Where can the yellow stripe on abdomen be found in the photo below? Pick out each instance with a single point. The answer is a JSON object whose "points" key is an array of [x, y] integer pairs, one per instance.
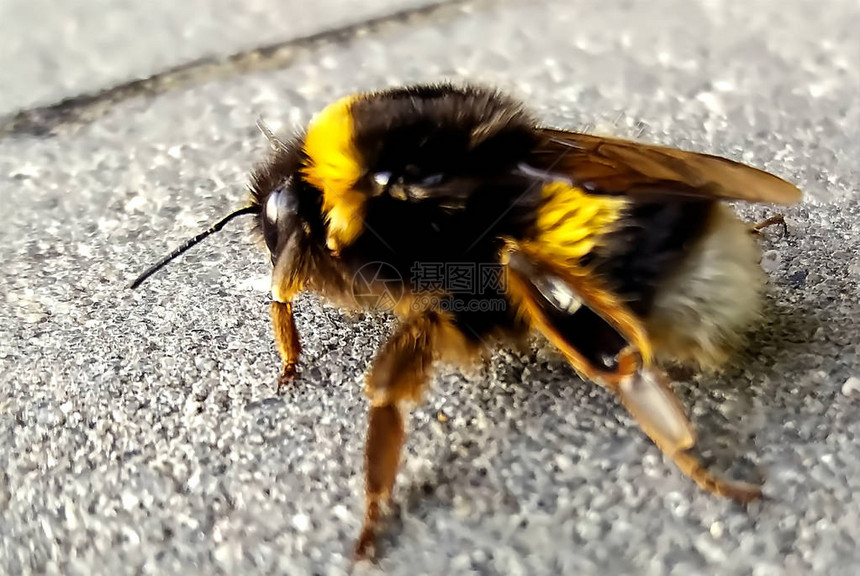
{"points": [[570, 222]]}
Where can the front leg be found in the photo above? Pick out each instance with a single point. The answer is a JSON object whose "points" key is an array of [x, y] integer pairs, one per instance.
{"points": [[286, 339], [398, 377]]}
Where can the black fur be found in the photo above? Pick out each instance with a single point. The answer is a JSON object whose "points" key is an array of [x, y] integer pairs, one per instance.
{"points": [[451, 154], [652, 241]]}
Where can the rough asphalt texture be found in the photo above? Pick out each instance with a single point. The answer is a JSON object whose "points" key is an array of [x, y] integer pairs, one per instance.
{"points": [[140, 432]]}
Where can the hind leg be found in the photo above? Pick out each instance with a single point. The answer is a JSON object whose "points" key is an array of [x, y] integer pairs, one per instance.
{"points": [[768, 222], [649, 399]]}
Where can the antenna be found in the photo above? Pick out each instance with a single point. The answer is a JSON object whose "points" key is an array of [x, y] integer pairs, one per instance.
{"points": [[253, 209], [275, 142]]}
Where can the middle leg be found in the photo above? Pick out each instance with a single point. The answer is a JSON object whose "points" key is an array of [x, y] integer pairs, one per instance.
{"points": [[397, 379]]}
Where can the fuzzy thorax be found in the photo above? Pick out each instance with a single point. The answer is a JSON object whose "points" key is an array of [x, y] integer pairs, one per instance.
{"points": [[333, 166]]}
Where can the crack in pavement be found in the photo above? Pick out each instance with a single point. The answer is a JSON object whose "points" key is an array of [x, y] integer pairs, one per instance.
{"points": [[77, 111]]}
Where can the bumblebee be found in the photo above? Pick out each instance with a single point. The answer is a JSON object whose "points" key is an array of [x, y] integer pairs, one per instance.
{"points": [[621, 254]]}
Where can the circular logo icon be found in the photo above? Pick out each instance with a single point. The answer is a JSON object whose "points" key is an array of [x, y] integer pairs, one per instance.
{"points": [[377, 285]]}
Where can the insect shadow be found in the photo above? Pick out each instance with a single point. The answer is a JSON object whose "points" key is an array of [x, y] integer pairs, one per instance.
{"points": [[726, 410]]}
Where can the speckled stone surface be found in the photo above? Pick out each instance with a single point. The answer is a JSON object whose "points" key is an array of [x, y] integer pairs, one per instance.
{"points": [[48, 51], [140, 432]]}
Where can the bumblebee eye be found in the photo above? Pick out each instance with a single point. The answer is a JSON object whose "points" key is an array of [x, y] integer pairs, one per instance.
{"points": [[279, 204], [281, 207]]}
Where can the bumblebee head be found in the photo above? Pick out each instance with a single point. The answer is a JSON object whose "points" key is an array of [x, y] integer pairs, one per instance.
{"points": [[289, 218], [286, 215]]}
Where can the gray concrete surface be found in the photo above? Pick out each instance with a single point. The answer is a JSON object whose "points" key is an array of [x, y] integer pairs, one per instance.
{"points": [[140, 433], [49, 52]]}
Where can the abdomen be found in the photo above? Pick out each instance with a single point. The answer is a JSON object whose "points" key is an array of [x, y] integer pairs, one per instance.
{"points": [[702, 309], [691, 271]]}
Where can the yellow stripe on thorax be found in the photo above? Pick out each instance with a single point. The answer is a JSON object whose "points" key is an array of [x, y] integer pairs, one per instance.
{"points": [[570, 222], [333, 166]]}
